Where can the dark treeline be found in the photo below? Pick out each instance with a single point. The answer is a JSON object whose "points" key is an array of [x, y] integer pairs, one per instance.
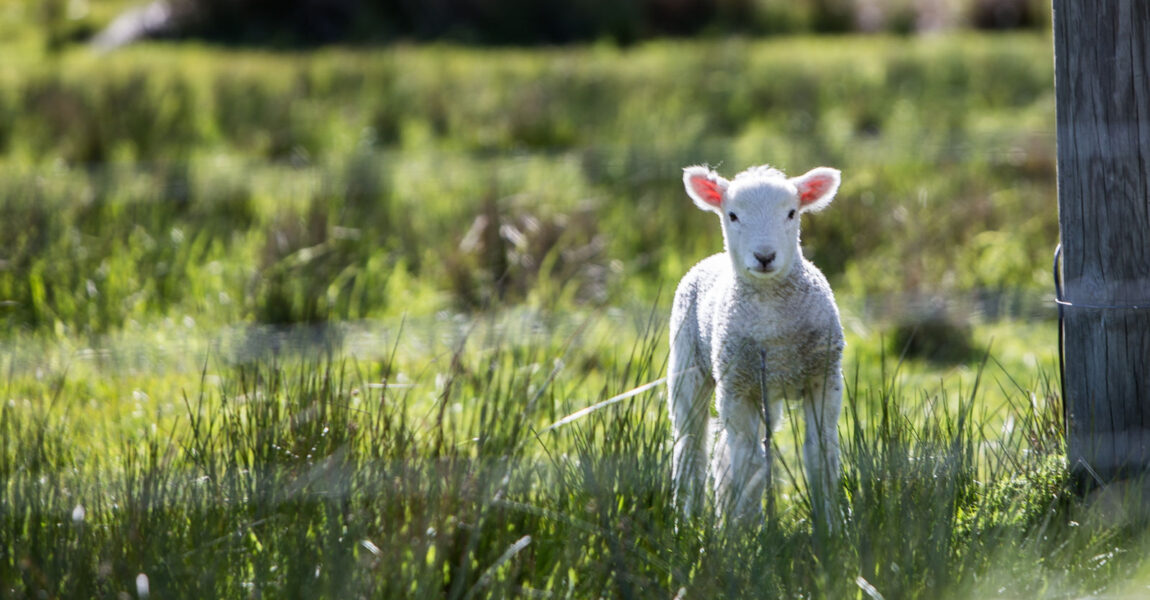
{"points": [[475, 21], [523, 22]]}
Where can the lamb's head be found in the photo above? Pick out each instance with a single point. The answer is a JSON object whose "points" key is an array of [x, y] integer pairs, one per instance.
{"points": [[759, 211]]}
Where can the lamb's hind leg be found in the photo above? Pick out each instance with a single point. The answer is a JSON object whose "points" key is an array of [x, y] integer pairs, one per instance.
{"points": [[689, 403]]}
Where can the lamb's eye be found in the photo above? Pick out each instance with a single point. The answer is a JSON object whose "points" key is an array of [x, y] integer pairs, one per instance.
{"points": [[732, 217], [791, 214]]}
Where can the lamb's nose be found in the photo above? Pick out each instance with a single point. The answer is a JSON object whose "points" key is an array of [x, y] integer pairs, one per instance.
{"points": [[765, 260]]}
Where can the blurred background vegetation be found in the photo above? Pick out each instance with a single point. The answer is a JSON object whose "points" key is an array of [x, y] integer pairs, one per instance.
{"points": [[165, 180]]}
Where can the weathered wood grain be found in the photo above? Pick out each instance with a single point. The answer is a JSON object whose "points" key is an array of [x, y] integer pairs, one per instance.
{"points": [[1102, 81]]}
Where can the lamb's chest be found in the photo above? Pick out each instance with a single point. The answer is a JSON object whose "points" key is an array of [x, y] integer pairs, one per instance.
{"points": [[792, 355]]}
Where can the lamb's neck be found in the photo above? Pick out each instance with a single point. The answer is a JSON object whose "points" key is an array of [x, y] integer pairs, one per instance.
{"points": [[772, 291]]}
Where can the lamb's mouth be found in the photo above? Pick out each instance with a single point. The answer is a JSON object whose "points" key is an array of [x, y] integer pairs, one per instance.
{"points": [[760, 272]]}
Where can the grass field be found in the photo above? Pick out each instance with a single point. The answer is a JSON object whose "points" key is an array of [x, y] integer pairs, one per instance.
{"points": [[297, 324]]}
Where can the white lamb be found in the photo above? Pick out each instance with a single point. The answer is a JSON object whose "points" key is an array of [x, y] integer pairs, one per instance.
{"points": [[756, 314]]}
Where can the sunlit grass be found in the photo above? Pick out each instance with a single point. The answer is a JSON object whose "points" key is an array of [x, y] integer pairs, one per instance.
{"points": [[350, 474]]}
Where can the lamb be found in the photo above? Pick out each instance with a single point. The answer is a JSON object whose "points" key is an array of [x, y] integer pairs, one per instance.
{"points": [[757, 325]]}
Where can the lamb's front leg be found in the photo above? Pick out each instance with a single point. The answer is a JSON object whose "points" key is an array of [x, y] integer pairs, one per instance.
{"points": [[739, 465], [821, 445]]}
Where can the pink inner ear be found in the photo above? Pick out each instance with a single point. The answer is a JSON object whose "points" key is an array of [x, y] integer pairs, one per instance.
{"points": [[707, 190], [813, 188]]}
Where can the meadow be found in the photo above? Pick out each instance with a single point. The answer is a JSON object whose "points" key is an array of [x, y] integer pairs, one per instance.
{"points": [[320, 324]]}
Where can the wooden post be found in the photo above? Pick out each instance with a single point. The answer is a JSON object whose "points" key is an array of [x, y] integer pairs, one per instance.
{"points": [[1102, 83]]}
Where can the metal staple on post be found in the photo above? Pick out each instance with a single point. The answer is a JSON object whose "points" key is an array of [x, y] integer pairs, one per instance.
{"points": [[1058, 300]]}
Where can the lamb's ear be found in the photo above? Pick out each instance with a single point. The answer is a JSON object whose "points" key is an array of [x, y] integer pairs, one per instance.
{"points": [[817, 188], [706, 187]]}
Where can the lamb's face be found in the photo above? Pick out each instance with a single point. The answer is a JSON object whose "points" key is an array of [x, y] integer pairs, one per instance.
{"points": [[760, 213], [760, 220]]}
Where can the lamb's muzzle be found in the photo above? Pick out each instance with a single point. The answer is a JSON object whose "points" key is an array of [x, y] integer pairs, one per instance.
{"points": [[765, 261]]}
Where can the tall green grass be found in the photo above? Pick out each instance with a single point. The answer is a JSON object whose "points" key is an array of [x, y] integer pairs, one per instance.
{"points": [[326, 477]]}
